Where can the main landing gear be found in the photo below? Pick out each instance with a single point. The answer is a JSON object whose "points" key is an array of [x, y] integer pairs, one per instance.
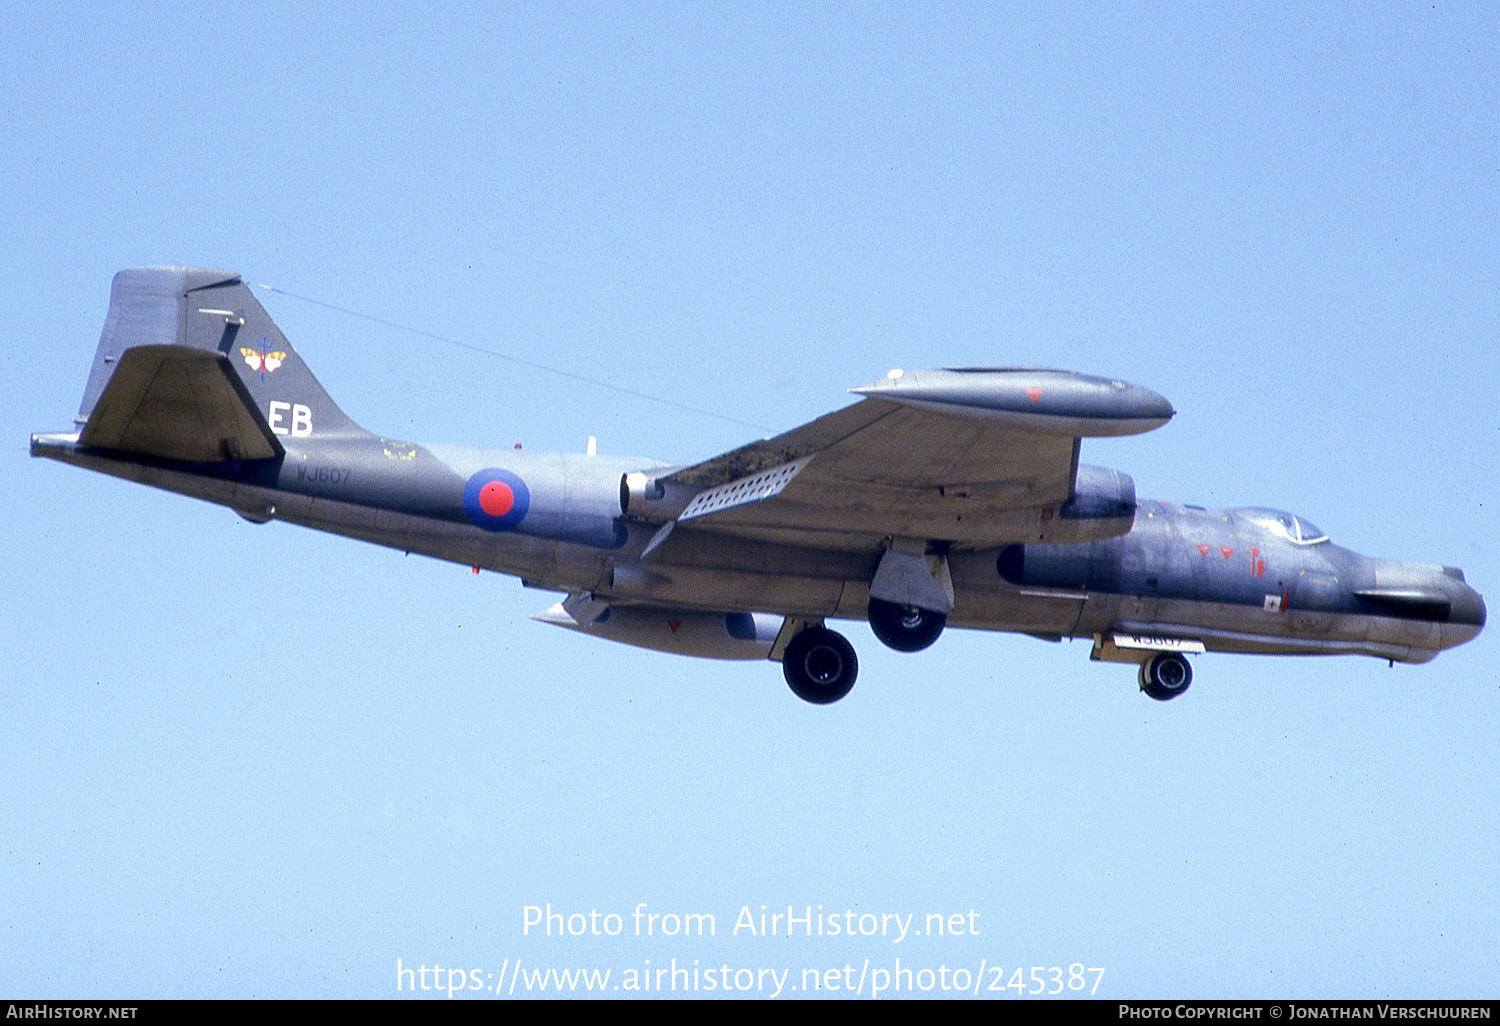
{"points": [[1165, 676], [819, 665], [905, 628]]}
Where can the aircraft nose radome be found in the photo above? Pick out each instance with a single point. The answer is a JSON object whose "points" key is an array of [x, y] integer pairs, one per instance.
{"points": [[1466, 615], [1468, 608]]}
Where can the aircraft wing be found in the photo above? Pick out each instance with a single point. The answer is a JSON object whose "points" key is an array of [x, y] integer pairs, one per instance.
{"points": [[970, 457]]}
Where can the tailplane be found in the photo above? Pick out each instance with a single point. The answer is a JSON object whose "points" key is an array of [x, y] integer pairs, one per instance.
{"points": [[191, 367]]}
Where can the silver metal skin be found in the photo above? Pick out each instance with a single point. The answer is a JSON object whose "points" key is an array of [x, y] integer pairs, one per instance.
{"points": [[942, 498]]}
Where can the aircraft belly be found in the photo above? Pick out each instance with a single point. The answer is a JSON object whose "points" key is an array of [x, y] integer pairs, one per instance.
{"points": [[1417, 633], [1051, 614], [717, 588], [983, 601], [1228, 627], [688, 548], [539, 562], [551, 564], [1231, 617]]}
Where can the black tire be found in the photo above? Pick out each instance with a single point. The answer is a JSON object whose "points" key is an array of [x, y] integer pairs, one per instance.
{"points": [[820, 666], [905, 628], [1165, 676]]}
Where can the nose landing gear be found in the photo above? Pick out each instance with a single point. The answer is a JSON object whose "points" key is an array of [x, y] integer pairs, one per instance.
{"points": [[1165, 676]]}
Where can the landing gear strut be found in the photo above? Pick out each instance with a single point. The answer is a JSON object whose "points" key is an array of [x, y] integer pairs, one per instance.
{"points": [[1165, 676], [905, 628], [819, 665]]}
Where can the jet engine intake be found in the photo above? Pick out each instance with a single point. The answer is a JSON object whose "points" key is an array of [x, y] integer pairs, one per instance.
{"points": [[636, 490], [656, 499], [1102, 506]]}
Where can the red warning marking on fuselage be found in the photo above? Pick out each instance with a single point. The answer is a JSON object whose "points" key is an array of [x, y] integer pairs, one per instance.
{"points": [[496, 498], [1203, 549], [1226, 550], [673, 624], [1034, 394], [1257, 565]]}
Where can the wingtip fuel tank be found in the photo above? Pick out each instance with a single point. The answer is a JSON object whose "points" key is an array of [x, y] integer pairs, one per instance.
{"points": [[1051, 401]]}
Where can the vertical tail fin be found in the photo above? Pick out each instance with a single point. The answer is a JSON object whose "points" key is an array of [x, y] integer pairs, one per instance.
{"points": [[215, 312]]}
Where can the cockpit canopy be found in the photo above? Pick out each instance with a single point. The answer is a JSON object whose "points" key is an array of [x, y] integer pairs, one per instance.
{"points": [[1297, 530]]}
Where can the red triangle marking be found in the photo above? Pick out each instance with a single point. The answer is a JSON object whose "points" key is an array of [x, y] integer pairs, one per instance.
{"points": [[1226, 550], [1035, 394], [1202, 549]]}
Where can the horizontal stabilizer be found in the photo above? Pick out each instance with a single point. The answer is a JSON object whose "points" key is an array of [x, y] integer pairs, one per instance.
{"points": [[177, 402]]}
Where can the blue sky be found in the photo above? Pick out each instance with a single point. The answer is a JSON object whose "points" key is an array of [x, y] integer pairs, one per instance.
{"points": [[246, 760]]}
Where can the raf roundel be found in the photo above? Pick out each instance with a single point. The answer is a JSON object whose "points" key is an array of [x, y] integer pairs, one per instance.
{"points": [[496, 500]]}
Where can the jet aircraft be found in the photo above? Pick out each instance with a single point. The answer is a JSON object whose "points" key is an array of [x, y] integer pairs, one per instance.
{"points": [[940, 498]]}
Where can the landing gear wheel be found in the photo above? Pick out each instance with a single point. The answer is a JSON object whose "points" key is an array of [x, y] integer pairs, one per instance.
{"points": [[820, 666], [905, 628], [1165, 676]]}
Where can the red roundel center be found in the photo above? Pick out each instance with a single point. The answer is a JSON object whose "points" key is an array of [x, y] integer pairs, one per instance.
{"points": [[496, 498]]}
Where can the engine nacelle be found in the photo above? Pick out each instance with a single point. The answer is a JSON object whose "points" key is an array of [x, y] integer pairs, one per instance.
{"points": [[1102, 506], [653, 498], [635, 491], [679, 631]]}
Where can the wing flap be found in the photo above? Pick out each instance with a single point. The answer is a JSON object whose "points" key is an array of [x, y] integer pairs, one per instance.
{"points": [[178, 403]]}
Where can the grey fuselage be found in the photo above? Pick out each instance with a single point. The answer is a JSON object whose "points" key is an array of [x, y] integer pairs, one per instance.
{"points": [[1238, 581]]}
